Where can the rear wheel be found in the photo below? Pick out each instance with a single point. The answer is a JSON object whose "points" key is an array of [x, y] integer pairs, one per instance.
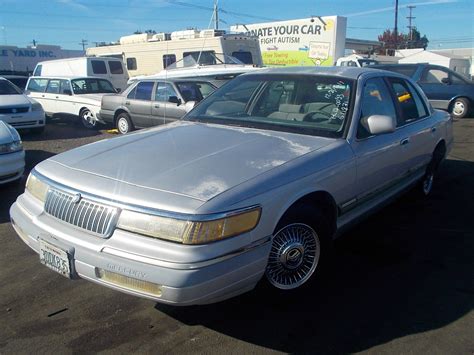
{"points": [[87, 118], [124, 123], [426, 184], [460, 107]]}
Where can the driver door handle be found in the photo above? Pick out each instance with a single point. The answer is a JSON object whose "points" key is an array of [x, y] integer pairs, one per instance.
{"points": [[405, 141], [156, 106]]}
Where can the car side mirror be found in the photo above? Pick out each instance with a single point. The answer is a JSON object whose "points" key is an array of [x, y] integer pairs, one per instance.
{"points": [[379, 124], [118, 90], [446, 81], [174, 100], [67, 92], [188, 106]]}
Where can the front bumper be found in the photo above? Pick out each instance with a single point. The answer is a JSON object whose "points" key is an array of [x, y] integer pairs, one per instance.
{"points": [[179, 283], [30, 119], [12, 166]]}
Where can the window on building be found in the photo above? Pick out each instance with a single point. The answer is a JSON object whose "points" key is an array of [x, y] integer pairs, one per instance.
{"points": [[203, 58], [244, 57], [132, 63], [168, 59]]}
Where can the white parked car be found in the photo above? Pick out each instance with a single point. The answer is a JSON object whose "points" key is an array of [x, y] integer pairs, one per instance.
{"points": [[19, 110], [12, 155], [112, 69], [79, 97]]}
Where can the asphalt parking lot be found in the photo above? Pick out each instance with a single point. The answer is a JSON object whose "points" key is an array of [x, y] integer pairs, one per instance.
{"points": [[402, 281]]}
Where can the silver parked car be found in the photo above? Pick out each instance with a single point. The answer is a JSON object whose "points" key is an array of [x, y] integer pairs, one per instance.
{"points": [[153, 102], [251, 186]]}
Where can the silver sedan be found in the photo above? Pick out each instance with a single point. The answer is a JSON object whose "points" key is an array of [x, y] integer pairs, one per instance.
{"points": [[252, 186]]}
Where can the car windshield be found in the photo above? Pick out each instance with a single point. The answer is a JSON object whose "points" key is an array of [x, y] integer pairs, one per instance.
{"points": [[92, 86], [305, 104], [195, 91], [7, 88]]}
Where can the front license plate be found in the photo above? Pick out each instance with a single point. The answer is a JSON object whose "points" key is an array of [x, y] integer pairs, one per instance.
{"points": [[55, 258]]}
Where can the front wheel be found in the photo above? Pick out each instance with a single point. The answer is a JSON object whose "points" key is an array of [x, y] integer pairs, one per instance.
{"points": [[460, 108], [294, 256], [87, 118]]}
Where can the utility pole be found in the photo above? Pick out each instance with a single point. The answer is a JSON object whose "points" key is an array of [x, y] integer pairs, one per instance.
{"points": [[395, 30], [34, 43], [410, 18], [83, 43], [216, 15]]}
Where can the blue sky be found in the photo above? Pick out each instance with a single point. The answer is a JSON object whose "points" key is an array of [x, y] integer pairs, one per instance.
{"points": [[447, 23]]}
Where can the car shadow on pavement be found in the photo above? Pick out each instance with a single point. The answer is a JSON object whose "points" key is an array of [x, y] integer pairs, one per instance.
{"points": [[405, 270], [61, 128]]}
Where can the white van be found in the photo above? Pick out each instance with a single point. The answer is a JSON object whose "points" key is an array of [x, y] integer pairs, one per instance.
{"points": [[111, 69]]}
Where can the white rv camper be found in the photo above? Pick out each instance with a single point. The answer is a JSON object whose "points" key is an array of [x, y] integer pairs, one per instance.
{"points": [[147, 54]]}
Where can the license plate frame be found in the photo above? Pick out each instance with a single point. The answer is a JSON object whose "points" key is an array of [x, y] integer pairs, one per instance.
{"points": [[55, 258]]}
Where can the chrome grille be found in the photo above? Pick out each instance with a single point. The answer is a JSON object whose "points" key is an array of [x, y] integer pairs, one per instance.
{"points": [[91, 216]]}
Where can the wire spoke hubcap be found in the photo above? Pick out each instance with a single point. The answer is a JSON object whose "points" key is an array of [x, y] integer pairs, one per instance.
{"points": [[293, 257]]}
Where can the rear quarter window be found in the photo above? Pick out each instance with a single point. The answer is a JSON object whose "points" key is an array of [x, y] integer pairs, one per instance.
{"points": [[37, 85], [98, 67], [115, 67]]}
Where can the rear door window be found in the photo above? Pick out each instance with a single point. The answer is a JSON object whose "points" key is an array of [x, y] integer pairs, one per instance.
{"points": [[144, 90], [409, 100], [115, 67], [53, 86], [98, 67], [37, 85], [64, 86], [434, 76]]}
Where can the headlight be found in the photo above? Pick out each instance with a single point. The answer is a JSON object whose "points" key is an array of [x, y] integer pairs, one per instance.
{"points": [[189, 232], [12, 147], [36, 187], [36, 106]]}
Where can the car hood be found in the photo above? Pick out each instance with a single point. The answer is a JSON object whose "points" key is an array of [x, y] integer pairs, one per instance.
{"points": [[190, 159], [14, 100]]}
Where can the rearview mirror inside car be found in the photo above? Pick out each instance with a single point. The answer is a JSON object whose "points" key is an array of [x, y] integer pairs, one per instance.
{"points": [[379, 124]]}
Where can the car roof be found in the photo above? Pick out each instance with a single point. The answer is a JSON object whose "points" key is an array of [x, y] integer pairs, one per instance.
{"points": [[346, 72], [67, 77]]}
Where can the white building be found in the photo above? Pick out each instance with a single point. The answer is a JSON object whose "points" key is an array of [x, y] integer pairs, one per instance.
{"points": [[24, 60], [454, 62]]}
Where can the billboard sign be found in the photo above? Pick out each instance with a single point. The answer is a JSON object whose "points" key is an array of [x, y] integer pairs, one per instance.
{"points": [[306, 42]]}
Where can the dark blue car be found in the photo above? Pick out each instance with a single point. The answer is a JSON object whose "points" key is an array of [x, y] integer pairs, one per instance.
{"points": [[446, 89]]}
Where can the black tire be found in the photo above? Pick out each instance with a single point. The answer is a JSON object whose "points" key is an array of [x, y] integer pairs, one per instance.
{"points": [[460, 107], [37, 130], [87, 119], [124, 123], [301, 246], [426, 184]]}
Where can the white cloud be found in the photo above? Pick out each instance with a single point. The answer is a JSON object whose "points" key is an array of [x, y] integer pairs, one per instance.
{"points": [[74, 4]]}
